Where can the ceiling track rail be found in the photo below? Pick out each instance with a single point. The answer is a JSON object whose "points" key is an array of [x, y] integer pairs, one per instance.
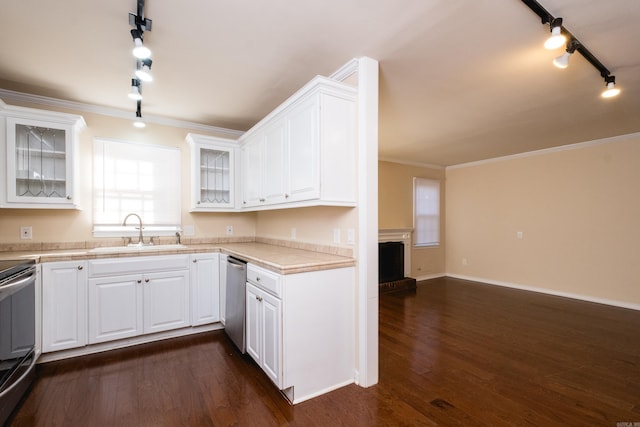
{"points": [[548, 18]]}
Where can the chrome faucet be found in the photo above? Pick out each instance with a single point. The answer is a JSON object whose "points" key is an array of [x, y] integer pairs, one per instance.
{"points": [[140, 238]]}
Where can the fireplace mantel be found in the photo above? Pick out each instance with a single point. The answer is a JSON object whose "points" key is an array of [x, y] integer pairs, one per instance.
{"points": [[399, 235]]}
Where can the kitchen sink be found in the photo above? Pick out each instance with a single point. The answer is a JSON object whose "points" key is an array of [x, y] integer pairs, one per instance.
{"points": [[135, 248]]}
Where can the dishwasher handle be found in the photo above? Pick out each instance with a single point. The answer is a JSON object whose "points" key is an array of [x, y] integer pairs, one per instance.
{"points": [[236, 263]]}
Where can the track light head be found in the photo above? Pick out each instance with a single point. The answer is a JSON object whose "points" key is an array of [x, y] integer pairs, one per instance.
{"points": [[140, 51], [562, 61], [143, 70], [557, 39], [611, 90], [135, 93]]}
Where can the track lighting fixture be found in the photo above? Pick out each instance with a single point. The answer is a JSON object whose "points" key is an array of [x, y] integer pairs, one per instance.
{"points": [[135, 93], [140, 51], [611, 90], [560, 33], [139, 123], [562, 61], [143, 70], [143, 64], [556, 39]]}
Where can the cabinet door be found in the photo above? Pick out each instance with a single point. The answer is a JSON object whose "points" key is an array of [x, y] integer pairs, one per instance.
{"points": [[304, 154], [205, 289], [40, 164], [213, 172], [274, 165], [166, 301], [115, 308], [264, 331], [271, 337], [253, 323], [252, 171], [64, 305]]}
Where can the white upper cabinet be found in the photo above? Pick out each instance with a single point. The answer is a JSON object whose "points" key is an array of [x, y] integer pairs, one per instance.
{"points": [[213, 172], [302, 154], [38, 151], [264, 166]]}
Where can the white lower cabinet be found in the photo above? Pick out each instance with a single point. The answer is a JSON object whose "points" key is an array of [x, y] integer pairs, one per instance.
{"points": [[64, 305], [124, 304], [205, 288], [300, 329], [264, 331]]}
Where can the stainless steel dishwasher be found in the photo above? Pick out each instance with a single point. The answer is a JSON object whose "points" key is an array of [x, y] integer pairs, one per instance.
{"points": [[235, 301]]}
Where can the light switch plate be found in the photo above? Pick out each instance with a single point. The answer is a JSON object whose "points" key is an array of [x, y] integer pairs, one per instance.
{"points": [[351, 236]]}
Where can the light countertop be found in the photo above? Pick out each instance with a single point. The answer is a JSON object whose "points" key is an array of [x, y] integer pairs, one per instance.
{"points": [[280, 259]]}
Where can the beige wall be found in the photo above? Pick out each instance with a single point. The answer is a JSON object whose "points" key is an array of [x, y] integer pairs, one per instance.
{"points": [[395, 210], [578, 210], [313, 225]]}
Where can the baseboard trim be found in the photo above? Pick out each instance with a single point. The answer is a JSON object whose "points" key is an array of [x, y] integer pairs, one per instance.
{"points": [[126, 342], [587, 298], [430, 276]]}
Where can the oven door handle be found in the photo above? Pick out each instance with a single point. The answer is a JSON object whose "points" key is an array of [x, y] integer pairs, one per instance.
{"points": [[17, 283]]}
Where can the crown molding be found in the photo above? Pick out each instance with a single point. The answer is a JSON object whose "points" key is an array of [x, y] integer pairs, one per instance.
{"points": [[113, 112], [567, 147], [346, 71], [416, 164]]}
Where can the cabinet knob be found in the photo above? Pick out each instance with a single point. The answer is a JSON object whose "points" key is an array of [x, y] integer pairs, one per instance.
{"points": [[258, 279], [69, 197], [146, 280], [80, 267], [139, 281], [286, 196], [198, 202], [259, 298], [262, 200], [195, 260]]}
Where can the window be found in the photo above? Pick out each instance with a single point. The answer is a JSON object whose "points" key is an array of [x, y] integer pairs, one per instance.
{"points": [[135, 178], [426, 212]]}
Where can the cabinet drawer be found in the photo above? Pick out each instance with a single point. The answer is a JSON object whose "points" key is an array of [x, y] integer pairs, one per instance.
{"points": [[116, 266], [264, 279]]}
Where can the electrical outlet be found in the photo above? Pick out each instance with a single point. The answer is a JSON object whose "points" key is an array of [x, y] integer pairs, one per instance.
{"points": [[464, 261], [336, 235], [519, 235], [229, 230], [293, 234], [26, 233]]}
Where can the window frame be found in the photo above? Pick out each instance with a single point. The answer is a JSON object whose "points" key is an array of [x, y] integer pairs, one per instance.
{"points": [[435, 184], [116, 229]]}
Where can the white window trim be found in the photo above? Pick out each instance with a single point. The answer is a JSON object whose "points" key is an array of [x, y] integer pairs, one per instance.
{"points": [[132, 227], [416, 240]]}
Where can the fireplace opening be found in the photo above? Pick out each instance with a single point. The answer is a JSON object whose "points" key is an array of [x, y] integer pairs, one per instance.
{"points": [[390, 261], [391, 267]]}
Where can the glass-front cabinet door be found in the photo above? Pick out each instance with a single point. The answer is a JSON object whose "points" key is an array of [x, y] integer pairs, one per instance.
{"points": [[212, 174], [40, 157]]}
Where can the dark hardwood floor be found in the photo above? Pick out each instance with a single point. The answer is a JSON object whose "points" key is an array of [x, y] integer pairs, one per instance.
{"points": [[452, 353]]}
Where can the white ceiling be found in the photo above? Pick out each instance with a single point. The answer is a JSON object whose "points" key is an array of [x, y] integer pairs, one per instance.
{"points": [[460, 81]]}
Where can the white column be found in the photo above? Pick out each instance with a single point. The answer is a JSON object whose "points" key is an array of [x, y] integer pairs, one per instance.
{"points": [[368, 221]]}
